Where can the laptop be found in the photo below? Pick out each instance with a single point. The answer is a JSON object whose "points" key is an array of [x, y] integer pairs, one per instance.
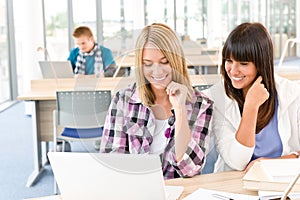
{"points": [[62, 69], [110, 176]]}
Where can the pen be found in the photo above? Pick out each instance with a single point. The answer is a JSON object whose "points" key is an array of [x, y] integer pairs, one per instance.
{"points": [[290, 186], [222, 197]]}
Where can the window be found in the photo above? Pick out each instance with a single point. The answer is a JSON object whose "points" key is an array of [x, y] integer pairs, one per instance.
{"points": [[56, 20], [4, 56]]}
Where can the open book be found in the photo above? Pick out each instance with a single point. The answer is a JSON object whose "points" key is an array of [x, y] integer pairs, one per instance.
{"points": [[272, 175]]}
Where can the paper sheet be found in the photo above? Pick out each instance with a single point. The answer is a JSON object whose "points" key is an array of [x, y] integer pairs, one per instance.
{"points": [[265, 195], [173, 192], [209, 195]]}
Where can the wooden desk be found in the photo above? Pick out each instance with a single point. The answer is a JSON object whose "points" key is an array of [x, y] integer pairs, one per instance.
{"points": [[225, 181], [294, 76], [194, 58], [125, 61], [43, 97], [45, 89], [203, 62]]}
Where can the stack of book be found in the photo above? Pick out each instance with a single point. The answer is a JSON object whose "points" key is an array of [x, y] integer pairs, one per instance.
{"points": [[272, 175]]}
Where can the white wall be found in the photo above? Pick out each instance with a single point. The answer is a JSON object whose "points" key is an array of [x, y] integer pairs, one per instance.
{"points": [[29, 35], [298, 27]]}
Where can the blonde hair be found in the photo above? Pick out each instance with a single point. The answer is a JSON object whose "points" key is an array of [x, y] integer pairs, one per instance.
{"points": [[165, 39]]}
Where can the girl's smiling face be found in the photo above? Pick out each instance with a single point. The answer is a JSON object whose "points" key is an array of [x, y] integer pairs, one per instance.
{"points": [[241, 74], [156, 68]]}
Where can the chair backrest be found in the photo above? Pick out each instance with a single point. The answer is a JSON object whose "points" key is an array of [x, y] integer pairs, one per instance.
{"points": [[202, 87], [82, 109]]}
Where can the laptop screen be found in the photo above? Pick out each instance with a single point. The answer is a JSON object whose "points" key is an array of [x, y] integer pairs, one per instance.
{"points": [[56, 69], [108, 176]]}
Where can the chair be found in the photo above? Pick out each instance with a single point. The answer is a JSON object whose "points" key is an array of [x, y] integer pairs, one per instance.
{"points": [[212, 154], [202, 87], [292, 41], [82, 114], [211, 157]]}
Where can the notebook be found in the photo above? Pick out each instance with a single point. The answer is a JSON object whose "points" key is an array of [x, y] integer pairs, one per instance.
{"points": [[56, 69], [272, 175], [110, 176]]}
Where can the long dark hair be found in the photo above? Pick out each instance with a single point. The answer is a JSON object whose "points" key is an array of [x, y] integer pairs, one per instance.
{"points": [[251, 42]]}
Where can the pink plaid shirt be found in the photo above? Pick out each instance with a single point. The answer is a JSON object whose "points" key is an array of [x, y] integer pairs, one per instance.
{"points": [[130, 125]]}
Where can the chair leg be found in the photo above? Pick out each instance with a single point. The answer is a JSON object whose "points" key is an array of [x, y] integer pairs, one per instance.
{"points": [[63, 146], [97, 145], [55, 188]]}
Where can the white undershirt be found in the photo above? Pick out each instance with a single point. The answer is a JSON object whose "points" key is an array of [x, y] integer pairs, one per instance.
{"points": [[159, 139]]}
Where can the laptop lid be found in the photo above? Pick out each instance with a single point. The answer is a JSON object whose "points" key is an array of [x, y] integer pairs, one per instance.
{"points": [[62, 69], [108, 176]]}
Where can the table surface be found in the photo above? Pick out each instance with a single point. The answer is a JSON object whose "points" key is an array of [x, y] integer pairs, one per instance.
{"points": [[45, 89], [224, 181], [195, 56], [43, 96]]}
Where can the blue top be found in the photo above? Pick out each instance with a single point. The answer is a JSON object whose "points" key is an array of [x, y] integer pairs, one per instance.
{"points": [[106, 54], [267, 141]]}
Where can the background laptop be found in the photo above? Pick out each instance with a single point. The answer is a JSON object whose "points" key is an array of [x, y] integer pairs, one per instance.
{"points": [[63, 69], [109, 176]]}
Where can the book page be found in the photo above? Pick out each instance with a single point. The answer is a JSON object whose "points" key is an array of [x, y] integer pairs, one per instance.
{"points": [[214, 195], [276, 170], [281, 170], [257, 173]]}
